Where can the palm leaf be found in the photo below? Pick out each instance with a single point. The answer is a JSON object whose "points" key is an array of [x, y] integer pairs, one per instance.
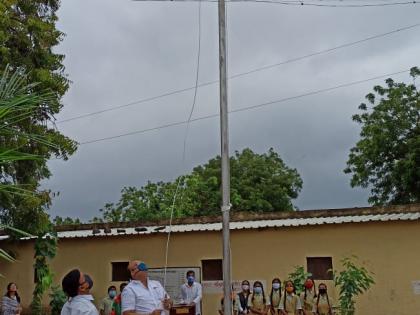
{"points": [[18, 231], [4, 255], [14, 155]]}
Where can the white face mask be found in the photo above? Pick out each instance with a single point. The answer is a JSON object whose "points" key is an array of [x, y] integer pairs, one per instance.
{"points": [[276, 285], [245, 287]]}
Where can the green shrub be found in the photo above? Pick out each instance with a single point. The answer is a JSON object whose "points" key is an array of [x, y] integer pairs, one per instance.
{"points": [[353, 280]]}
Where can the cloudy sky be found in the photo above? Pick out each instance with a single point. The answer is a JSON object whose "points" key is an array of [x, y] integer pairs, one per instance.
{"points": [[120, 51]]}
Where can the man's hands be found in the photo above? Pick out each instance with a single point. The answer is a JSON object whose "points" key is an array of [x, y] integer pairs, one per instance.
{"points": [[167, 304]]}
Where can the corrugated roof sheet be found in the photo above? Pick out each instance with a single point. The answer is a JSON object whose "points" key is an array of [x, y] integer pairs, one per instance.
{"points": [[242, 225]]}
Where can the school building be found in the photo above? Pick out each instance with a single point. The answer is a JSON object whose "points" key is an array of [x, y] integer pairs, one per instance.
{"points": [[263, 246]]}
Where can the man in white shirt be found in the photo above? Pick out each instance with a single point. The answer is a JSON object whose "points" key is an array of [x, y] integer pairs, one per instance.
{"points": [[89, 281], [191, 292], [79, 299], [143, 296]]}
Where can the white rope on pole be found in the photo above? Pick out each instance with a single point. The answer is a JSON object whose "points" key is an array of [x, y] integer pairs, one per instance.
{"points": [[180, 179]]}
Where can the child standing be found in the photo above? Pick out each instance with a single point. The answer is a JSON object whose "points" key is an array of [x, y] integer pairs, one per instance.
{"points": [[258, 302], [241, 303], [275, 296], [307, 296], [322, 303], [290, 302]]}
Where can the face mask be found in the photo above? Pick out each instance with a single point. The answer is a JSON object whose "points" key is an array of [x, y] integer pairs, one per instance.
{"points": [[289, 289], [245, 287], [112, 294], [142, 266], [276, 285], [309, 285], [190, 279], [322, 291], [258, 290]]}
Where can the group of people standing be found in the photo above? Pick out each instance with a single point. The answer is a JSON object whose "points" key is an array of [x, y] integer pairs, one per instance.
{"points": [[282, 302], [141, 296]]}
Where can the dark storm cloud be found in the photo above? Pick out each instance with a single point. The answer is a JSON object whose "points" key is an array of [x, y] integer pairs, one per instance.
{"points": [[121, 51]]}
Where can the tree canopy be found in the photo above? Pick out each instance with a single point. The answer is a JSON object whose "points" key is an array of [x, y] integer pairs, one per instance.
{"points": [[27, 37], [259, 183], [66, 221], [387, 156]]}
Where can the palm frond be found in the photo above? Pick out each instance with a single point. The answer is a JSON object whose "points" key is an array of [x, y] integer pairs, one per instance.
{"points": [[12, 155], [18, 231], [4, 255]]}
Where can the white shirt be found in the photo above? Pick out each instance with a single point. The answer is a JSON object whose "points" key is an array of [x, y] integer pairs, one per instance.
{"points": [[137, 297], [79, 305], [192, 294]]}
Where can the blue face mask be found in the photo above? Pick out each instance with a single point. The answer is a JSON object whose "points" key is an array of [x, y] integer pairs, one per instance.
{"points": [[112, 294], [257, 290], [190, 279], [142, 266]]}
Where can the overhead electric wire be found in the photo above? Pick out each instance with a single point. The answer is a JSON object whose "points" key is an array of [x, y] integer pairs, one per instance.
{"points": [[245, 108], [152, 98], [305, 3], [298, 3], [302, 2]]}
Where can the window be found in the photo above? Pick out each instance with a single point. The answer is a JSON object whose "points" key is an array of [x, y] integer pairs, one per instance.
{"points": [[320, 267], [212, 269], [119, 271]]}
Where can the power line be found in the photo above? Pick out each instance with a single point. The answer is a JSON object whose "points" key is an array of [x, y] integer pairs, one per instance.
{"points": [[302, 3], [296, 3], [145, 100], [245, 108]]}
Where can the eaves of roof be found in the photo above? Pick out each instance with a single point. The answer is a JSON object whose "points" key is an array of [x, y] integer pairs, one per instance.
{"points": [[242, 221]]}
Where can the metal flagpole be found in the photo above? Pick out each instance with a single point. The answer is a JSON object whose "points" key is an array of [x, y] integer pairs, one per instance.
{"points": [[224, 135]]}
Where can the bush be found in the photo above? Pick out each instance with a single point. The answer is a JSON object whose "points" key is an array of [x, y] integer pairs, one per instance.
{"points": [[353, 281], [57, 300], [298, 277]]}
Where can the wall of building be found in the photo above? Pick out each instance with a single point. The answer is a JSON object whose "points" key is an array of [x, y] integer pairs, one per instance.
{"points": [[389, 249]]}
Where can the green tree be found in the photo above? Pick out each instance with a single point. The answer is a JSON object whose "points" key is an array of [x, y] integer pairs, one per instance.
{"points": [[19, 102], [259, 183], [353, 281], [45, 250], [387, 157], [27, 38], [66, 221]]}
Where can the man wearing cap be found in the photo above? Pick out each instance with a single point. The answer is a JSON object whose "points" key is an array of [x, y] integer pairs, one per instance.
{"points": [[143, 296], [79, 300]]}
